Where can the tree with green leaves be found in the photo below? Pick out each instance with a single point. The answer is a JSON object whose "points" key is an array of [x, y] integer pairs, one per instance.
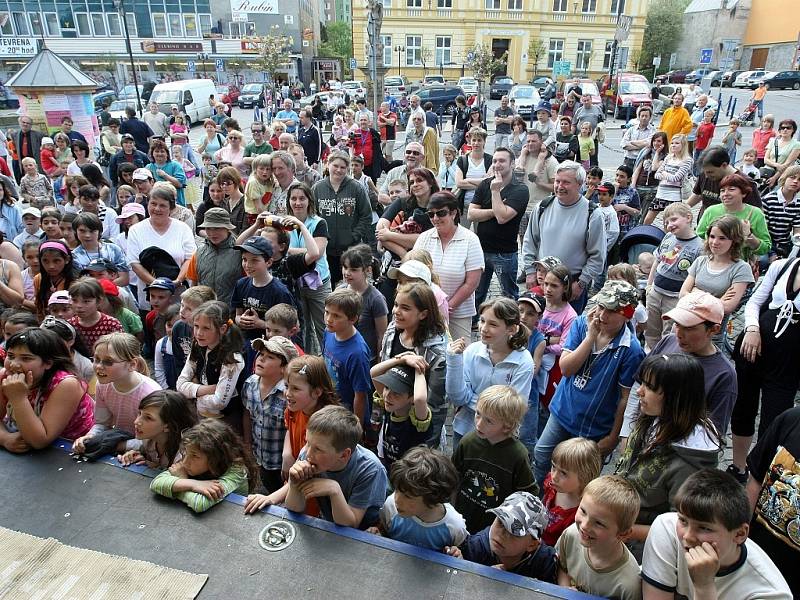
{"points": [[484, 64], [273, 53], [337, 42], [536, 50], [663, 29]]}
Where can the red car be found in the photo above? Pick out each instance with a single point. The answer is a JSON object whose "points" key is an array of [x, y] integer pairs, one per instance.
{"points": [[228, 94], [587, 87]]}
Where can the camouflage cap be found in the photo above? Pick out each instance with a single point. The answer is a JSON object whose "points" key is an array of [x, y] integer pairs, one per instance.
{"points": [[616, 295], [548, 262], [522, 513]]}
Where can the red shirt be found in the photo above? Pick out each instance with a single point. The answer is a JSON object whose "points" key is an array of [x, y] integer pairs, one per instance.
{"points": [[363, 145], [705, 133], [560, 518], [90, 335]]}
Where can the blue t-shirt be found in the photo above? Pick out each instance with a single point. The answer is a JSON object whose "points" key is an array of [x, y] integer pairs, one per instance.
{"points": [[261, 299], [348, 366], [585, 403], [450, 530], [289, 114], [628, 197], [364, 485], [537, 337]]}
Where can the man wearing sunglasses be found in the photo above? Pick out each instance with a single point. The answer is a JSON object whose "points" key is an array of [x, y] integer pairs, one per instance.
{"points": [[413, 157], [716, 166]]}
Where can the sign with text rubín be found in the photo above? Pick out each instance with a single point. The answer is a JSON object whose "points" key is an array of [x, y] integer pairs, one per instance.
{"points": [[261, 7], [17, 46]]}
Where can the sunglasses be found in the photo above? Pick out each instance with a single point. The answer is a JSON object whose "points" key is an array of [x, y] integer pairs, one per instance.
{"points": [[413, 152], [441, 213], [106, 362], [782, 127]]}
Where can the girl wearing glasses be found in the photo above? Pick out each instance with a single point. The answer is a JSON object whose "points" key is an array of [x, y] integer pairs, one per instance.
{"points": [[122, 382]]}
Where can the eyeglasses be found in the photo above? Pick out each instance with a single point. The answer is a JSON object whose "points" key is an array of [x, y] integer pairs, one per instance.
{"points": [[256, 131], [413, 152], [782, 127], [226, 183], [441, 213], [106, 362]]}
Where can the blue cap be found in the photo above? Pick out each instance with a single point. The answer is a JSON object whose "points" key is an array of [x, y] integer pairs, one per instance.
{"points": [[256, 245], [161, 283]]}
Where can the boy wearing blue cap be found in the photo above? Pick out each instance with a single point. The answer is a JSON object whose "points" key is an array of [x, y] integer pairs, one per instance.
{"points": [[159, 294]]}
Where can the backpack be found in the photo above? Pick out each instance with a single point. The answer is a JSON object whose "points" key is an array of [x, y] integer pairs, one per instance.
{"points": [[461, 163], [545, 204]]}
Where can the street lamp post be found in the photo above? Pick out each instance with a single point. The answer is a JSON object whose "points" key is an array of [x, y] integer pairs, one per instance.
{"points": [[120, 6], [203, 56], [399, 49]]}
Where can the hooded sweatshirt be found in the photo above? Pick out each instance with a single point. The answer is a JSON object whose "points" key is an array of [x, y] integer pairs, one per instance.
{"points": [[659, 473], [347, 212]]}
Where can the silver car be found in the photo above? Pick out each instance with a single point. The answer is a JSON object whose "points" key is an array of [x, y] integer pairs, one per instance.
{"points": [[525, 98]]}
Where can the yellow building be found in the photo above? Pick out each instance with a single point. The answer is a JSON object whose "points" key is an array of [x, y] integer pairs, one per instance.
{"points": [[770, 42], [441, 32]]}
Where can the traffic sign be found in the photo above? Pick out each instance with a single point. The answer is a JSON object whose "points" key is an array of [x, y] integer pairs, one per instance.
{"points": [[705, 56], [470, 56], [562, 68], [190, 66], [624, 23], [657, 61], [219, 64], [353, 63], [673, 58]]}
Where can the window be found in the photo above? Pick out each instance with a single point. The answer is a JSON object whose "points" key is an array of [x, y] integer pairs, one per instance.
{"points": [[622, 58], [36, 24], [559, 5], [175, 26], [589, 6], [159, 25], [242, 29], [617, 5], [130, 20], [492, 4], [555, 52], [386, 40], [114, 25], [82, 21], [607, 55], [6, 26], [584, 54], [514, 4], [387, 3], [444, 3], [190, 25], [99, 24], [413, 3], [205, 24], [413, 50], [443, 45], [21, 23], [51, 24]]}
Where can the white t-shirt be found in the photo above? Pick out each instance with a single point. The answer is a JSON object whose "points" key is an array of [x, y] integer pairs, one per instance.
{"points": [[611, 221], [474, 171], [664, 566]]}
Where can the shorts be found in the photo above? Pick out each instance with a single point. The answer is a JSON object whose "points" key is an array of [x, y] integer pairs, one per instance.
{"points": [[659, 204]]}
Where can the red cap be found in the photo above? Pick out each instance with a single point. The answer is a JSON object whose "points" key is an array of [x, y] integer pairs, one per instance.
{"points": [[109, 287]]}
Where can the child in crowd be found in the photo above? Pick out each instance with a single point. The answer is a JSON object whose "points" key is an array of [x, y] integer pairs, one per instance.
{"points": [[576, 462], [347, 480], [732, 138], [346, 353], [258, 190], [67, 232], [128, 217], [586, 143], [531, 307], [112, 305], [673, 257], [31, 219], [605, 196], [501, 357], [594, 177], [30, 254], [35, 188], [491, 462], [702, 550], [705, 133], [748, 164], [59, 305], [86, 295], [626, 202], [47, 158], [17, 320], [671, 174], [183, 329], [415, 272], [644, 264], [256, 292], [122, 381], [159, 294], [542, 268], [308, 389], [100, 268], [164, 371], [84, 368], [161, 418], [402, 390], [264, 398], [512, 542], [592, 556], [625, 272], [282, 320], [418, 512], [125, 195], [215, 362], [191, 189], [358, 267], [214, 464], [208, 172]]}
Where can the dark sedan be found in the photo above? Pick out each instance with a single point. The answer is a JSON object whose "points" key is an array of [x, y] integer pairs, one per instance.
{"points": [[674, 76], [729, 77], [784, 80], [500, 87]]}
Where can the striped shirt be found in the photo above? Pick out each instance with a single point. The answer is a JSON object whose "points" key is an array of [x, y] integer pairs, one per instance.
{"points": [[267, 425], [781, 216]]}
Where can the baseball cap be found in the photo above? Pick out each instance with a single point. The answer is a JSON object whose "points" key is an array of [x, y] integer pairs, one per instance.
{"points": [[32, 210], [142, 174], [617, 295], [277, 345], [99, 264], [59, 297], [161, 283], [522, 513], [412, 268], [256, 245], [607, 187], [535, 300], [696, 307], [127, 136], [109, 287], [548, 262], [129, 209], [174, 107], [398, 379], [47, 140]]}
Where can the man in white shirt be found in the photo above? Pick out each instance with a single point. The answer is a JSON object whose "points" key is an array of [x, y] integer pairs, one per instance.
{"points": [[638, 137], [156, 120]]}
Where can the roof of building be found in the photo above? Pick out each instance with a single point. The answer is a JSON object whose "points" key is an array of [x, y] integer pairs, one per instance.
{"points": [[47, 70], [706, 5]]}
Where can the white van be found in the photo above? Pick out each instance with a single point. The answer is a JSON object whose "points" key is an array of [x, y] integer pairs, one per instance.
{"points": [[191, 96]]}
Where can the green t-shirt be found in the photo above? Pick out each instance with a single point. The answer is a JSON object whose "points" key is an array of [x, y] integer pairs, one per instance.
{"points": [[252, 150], [758, 225], [131, 323]]}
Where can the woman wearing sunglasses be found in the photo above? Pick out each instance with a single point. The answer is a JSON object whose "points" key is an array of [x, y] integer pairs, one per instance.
{"points": [[457, 259], [782, 152]]}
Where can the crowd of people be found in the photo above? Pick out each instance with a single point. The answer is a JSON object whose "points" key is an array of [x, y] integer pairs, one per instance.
{"points": [[303, 320]]}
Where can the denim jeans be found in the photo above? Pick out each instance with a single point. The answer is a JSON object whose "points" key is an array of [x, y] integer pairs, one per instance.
{"points": [[529, 430], [551, 437], [579, 303], [505, 265]]}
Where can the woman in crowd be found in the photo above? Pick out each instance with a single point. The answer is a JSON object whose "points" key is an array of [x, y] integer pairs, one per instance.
{"points": [[81, 152], [782, 152], [233, 153], [646, 166], [164, 169], [212, 141], [782, 212]]}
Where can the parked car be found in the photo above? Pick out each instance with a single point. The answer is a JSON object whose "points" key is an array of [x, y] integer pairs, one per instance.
{"points": [[712, 79], [728, 77], [396, 85], [145, 91], [117, 108], [355, 88], [469, 85], [252, 95], [743, 79], [307, 100], [191, 96], [587, 87], [433, 80], [674, 76], [783, 80], [541, 82], [228, 94], [756, 81], [500, 87], [627, 91], [697, 75], [443, 97], [101, 98], [525, 98]]}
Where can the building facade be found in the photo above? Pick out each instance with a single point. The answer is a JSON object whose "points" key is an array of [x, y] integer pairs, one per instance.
{"points": [[339, 11], [175, 38], [716, 24], [772, 38], [441, 33]]}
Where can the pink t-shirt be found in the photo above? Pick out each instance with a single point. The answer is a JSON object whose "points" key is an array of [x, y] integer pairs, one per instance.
{"points": [[557, 323], [441, 302], [115, 409]]}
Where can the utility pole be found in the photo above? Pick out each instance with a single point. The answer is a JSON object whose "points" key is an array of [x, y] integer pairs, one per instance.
{"points": [[374, 47], [120, 6]]}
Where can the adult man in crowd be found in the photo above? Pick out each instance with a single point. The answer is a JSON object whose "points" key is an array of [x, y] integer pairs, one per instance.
{"points": [[497, 208], [503, 116], [285, 140], [387, 123], [140, 130], [128, 154], [414, 157], [66, 129], [697, 117], [716, 166], [421, 133], [259, 144], [156, 121], [362, 110], [28, 142], [283, 170], [414, 107], [309, 137], [594, 115], [302, 171], [638, 137], [758, 98], [288, 117], [568, 229]]}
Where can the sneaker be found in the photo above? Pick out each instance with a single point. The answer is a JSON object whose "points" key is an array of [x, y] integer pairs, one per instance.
{"points": [[740, 476]]}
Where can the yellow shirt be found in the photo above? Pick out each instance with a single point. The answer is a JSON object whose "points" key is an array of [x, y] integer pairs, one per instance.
{"points": [[674, 121], [759, 93]]}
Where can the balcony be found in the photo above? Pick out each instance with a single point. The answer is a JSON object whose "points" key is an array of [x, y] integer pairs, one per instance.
{"points": [[558, 16], [514, 15], [444, 13], [412, 12], [492, 14], [588, 18]]}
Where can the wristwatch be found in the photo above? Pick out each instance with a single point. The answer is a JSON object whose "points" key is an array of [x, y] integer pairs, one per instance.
{"points": [[547, 340]]}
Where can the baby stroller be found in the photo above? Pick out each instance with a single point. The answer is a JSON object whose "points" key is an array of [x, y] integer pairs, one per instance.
{"points": [[749, 115], [643, 238]]}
